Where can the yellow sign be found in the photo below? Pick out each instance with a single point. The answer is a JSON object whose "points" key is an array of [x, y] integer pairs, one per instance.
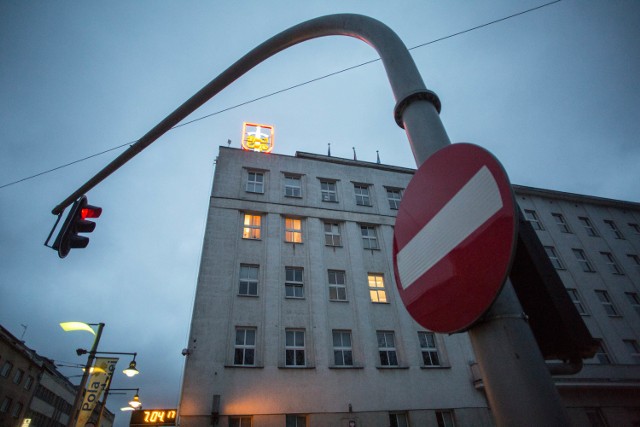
{"points": [[100, 377], [257, 137]]}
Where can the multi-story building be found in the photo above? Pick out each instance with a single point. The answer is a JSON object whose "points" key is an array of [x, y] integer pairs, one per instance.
{"points": [[297, 320]]}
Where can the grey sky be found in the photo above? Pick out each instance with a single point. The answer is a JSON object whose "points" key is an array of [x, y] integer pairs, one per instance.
{"points": [[554, 94]]}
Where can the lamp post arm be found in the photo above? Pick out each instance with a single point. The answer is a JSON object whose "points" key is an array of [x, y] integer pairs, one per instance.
{"points": [[407, 85], [85, 375]]}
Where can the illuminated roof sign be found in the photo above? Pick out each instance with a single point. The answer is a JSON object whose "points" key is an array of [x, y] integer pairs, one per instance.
{"points": [[257, 137]]}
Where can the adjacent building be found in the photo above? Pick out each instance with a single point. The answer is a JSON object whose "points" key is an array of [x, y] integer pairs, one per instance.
{"points": [[297, 320]]}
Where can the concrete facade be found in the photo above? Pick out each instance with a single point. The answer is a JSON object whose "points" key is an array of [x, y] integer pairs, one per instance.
{"points": [[297, 320]]}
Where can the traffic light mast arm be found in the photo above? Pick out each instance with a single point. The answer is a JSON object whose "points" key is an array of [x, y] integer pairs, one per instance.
{"points": [[420, 119]]}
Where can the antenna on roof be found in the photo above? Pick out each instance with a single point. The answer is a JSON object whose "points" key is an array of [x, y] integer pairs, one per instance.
{"points": [[354, 153], [329, 150], [378, 155], [229, 142]]}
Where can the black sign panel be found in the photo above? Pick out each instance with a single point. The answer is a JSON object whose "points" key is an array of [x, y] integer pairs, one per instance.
{"points": [[153, 417]]}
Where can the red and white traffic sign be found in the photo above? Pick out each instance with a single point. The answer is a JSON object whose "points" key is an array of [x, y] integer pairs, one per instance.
{"points": [[454, 238]]}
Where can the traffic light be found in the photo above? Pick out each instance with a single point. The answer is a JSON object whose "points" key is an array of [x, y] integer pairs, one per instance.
{"points": [[76, 222]]}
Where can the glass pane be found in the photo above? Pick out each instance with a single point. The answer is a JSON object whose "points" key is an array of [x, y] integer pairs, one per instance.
{"points": [[239, 336], [248, 354], [299, 338], [342, 294], [250, 337], [237, 359], [348, 360], [289, 338], [289, 357], [337, 358], [299, 357]]}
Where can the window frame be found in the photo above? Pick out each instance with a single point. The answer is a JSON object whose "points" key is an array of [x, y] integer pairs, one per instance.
{"points": [[6, 369], [330, 193], [440, 418], [377, 290], [576, 299], [602, 354], [332, 238], [248, 281], [295, 348], [633, 348], [554, 257], [292, 230], [588, 226], [255, 185], [613, 227], [532, 217], [341, 348], [394, 420], [362, 194], [634, 301], [292, 283], [293, 184], [333, 276], [607, 303], [561, 222], [635, 227], [295, 419], [394, 202], [240, 419], [583, 261], [429, 347], [387, 349], [251, 231], [369, 235], [244, 347], [612, 263]]}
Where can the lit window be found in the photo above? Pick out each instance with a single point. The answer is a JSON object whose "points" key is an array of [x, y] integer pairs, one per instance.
{"points": [[251, 228], [295, 420], [294, 348], [394, 196], [376, 288], [583, 261], [588, 227], [255, 182], [329, 191], [633, 349], [245, 347], [602, 355], [533, 219], [239, 421], [17, 377], [6, 369], [605, 299], [342, 353], [387, 348], [634, 300], [293, 282], [429, 348], [332, 234], [369, 237], [337, 286], [248, 280], [611, 263], [614, 229], [445, 419], [554, 257], [293, 230], [575, 298], [292, 186], [398, 419], [362, 194], [561, 222]]}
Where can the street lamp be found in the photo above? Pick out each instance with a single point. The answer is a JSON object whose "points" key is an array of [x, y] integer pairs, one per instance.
{"points": [[131, 371], [134, 404], [80, 326]]}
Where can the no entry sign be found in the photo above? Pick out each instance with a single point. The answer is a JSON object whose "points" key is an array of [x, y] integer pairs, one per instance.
{"points": [[454, 237]]}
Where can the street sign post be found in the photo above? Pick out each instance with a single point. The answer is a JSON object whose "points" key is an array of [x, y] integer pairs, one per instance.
{"points": [[454, 238]]}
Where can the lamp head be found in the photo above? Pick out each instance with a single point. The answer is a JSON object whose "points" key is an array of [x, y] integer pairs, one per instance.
{"points": [[81, 351], [131, 370], [135, 403], [76, 326]]}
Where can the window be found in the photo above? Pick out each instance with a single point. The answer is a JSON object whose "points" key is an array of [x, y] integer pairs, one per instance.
{"points": [[533, 219], [293, 282], [575, 298], [596, 418], [376, 288], [605, 299], [554, 257], [294, 348], [251, 228], [634, 300], [293, 230], [255, 182], [445, 419], [6, 369], [294, 420], [6, 404], [17, 377], [602, 355], [245, 347], [239, 421], [362, 194], [634, 350], [429, 349], [292, 186], [332, 234], [635, 227], [337, 286], [398, 419], [583, 261], [28, 383], [329, 191], [588, 227], [342, 353], [387, 348], [394, 196], [248, 280], [635, 259], [17, 408], [560, 221], [614, 229], [369, 237], [611, 263]]}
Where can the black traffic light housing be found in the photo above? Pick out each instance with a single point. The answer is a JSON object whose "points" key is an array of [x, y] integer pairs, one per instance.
{"points": [[75, 223]]}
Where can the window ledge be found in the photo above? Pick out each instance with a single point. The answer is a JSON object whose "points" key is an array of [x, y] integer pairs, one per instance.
{"points": [[293, 197], [346, 367], [244, 366], [435, 367], [391, 367], [296, 367], [247, 296], [339, 300], [295, 298]]}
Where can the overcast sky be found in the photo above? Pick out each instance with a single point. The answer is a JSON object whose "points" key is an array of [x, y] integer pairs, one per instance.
{"points": [[554, 94]]}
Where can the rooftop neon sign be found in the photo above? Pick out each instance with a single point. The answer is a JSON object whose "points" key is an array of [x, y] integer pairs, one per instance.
{"points": [[257, 137]]}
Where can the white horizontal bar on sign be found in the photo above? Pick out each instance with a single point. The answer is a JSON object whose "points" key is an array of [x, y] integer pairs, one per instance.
{"points": [[476, 202]]}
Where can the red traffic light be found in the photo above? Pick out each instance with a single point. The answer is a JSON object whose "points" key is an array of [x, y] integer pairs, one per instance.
{"points": [[75, 223]]}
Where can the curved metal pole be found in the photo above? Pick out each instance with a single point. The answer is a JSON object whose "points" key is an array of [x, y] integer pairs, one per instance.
{"points": [[416, 107]]}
